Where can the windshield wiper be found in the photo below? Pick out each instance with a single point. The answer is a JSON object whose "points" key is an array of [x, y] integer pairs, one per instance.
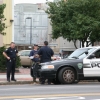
{"points": [[75, 57]]}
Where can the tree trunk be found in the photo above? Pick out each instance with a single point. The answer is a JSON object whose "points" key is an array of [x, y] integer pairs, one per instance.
{"points": [[92, 43], [87, 43], [75, 43], [82, 43]]}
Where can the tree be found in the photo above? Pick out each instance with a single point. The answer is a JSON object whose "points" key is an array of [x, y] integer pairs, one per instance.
{"points": [[2, 19], [75, 20]]}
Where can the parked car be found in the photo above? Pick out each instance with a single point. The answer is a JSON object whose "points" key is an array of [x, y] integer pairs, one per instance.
{"points": [[25, 60], [24, 56], [82, 64]]}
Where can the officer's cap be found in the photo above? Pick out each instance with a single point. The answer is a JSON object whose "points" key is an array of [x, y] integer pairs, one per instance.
{"points": [[35, 44]]}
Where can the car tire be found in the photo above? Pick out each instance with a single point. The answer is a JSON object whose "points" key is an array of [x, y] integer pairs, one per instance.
{"points": [[66, 75]]}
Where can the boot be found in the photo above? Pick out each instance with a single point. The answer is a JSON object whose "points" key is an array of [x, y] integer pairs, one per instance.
{"points": [[34, 79]]}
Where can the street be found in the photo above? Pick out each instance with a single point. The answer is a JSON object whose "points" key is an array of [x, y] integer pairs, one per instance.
{"points": [[85, 91]]}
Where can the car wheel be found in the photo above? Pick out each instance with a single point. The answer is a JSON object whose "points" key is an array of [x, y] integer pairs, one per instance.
{"points": [[66, 75]]}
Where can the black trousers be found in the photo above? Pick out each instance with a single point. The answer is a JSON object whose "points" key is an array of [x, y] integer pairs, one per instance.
{"points": [[11, 68], [35, 68]]}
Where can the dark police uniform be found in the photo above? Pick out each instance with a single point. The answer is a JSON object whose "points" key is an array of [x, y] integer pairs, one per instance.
{"points": [[35, 63], [45, 53], [11, 63]]}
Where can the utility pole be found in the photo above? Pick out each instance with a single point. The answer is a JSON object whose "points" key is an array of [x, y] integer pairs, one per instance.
{"points": [[30, 30]]}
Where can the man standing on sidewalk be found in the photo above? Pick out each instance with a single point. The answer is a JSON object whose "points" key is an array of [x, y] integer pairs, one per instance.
{"points": [[45, 54], [10, 54], [35, 61]]}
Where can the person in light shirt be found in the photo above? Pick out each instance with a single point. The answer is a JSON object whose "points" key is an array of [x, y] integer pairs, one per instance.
{"points": [[35, 59]]}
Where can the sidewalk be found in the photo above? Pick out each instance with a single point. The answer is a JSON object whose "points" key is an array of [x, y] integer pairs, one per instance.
{"points": [[23, 76]]}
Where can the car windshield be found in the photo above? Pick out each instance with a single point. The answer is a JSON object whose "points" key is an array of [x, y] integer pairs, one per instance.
{"points": [[81, 53], [24, 53]]}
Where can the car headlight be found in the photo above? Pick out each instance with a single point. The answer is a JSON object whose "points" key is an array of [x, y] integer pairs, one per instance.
{"points": [[47, 67]]}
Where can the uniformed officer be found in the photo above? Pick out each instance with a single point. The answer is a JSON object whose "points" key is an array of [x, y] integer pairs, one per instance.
{"points": [[35, 59], [45, 54], [10, 54]]}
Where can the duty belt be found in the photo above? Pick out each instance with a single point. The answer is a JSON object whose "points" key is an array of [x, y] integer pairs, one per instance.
{"points": [[13, 58]]}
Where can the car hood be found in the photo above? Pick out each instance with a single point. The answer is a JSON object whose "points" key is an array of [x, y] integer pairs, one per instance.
{"points": [[61, 61]]}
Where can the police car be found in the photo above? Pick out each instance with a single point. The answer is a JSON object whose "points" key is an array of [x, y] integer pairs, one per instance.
{"points": [[82, 64]]}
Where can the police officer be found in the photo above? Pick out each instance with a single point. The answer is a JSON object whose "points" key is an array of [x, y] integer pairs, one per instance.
{"points": [[45, 54], [10, 54], [35, 59]]}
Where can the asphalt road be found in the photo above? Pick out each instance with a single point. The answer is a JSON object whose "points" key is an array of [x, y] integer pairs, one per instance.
{"points": [[81, 91]]}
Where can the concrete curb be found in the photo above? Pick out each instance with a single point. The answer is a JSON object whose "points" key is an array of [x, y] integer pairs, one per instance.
{"points": [[16, 83], [31, 82]]}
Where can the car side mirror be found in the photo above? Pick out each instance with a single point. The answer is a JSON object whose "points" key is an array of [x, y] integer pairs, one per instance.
{"points": [[91, 56], [86, 52]]}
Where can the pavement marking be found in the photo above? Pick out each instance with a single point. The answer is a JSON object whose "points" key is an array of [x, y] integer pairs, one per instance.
{"points": [[46, 96], [96, 99], [55, 98]]}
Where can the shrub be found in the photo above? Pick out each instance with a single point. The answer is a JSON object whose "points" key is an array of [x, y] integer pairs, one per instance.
{"points": [[2, 59], [18, 63]]}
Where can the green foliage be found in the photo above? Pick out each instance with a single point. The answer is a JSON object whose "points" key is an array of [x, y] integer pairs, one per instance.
{"points": [[18, 63], [2, 19], [75, 20], [3, 60]]}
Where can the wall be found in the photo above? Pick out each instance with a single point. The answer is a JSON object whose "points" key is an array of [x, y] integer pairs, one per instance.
{"points": [[9, 16], [1, 37], [30, 25], [1, 40]]}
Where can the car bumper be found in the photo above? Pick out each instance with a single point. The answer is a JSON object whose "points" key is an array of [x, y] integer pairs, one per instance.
{"points": [[49, 74]]}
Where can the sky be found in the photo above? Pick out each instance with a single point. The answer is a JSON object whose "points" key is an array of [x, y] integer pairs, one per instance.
{"points": [[30, 1]]}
